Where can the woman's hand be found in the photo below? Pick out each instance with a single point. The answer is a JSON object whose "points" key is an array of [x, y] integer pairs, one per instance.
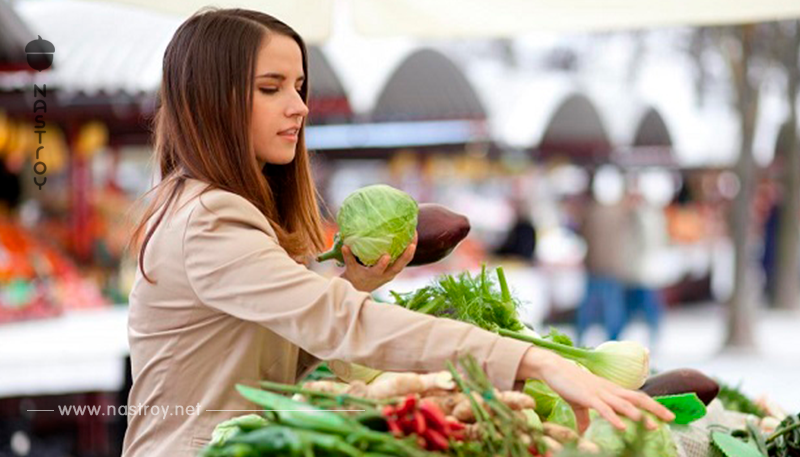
{"points": [[367, 279], [584, 391]]}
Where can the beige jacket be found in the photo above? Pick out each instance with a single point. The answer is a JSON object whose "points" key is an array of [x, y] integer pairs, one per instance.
{"points": [[231, 306]]}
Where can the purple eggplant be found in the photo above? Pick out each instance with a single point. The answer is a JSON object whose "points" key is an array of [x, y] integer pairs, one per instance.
{"points": [[681, 381], [440, 230]]}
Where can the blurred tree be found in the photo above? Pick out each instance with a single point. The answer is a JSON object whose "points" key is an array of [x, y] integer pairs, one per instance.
{"points": [[752, 52], [738, 46], [787, 281]]}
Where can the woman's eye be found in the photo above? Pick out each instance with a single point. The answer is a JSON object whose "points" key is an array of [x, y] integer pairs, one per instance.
{"points": [[267, 90]]}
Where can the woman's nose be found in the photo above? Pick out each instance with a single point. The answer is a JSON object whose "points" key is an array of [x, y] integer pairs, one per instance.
{"points": [[297, 107]]}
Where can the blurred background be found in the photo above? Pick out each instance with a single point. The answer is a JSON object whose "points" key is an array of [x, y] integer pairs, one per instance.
{"points": [[635, 171]]}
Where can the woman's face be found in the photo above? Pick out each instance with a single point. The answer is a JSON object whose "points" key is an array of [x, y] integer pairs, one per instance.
{"points": [[278, 108]]}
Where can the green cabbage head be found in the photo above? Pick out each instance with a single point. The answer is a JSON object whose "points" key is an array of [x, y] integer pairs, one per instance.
{"points": [[634, 440], [373, 221]]}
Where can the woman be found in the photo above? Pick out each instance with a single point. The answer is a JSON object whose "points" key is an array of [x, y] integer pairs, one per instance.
{"points": [[221, 295]]}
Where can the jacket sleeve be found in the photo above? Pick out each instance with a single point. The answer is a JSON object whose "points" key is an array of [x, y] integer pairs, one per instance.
{"points": [[235, 265]]}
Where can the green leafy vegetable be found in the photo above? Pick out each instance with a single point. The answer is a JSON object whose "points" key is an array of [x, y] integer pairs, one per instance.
{"points": [[785, 440], [475, 300], [544, 396], [232, 427], [563, 414], [734, 400], [559, 337], [733, 447], [634, 440], [373, 221]]}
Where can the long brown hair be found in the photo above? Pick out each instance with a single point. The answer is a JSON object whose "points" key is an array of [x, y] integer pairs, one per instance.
{"points": [[201, 128]]}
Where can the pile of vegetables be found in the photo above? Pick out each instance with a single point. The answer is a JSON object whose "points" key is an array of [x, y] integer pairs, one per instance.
{"points": [[769, 432], [378, 220], [406, 415], [293, 428], [459, 412]]}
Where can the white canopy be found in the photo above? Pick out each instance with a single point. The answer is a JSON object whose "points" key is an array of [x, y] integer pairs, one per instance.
{"points": [[497, 18]]}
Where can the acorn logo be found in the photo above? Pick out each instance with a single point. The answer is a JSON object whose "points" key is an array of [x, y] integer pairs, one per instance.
{"points": [[40, 54]]}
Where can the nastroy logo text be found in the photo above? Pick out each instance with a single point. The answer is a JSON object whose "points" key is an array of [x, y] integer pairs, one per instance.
{"points": [[40, 57]]}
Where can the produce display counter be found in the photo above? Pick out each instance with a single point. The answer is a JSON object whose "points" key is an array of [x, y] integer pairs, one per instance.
{"points": [[78, 351]]}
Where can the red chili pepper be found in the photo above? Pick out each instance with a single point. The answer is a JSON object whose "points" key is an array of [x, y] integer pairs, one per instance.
{"points": [[389, 410], [436, 440], [394, 427], [419, 423], [408, 405], [407, 424], [455, 426], [435, 417], [458, 435]]}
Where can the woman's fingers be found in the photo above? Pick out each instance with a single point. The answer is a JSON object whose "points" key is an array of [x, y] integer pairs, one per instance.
{"points": [[623, 406], [608, 413], [349, 258], [405, 258], [629, 403], [383, 264], [644, 401], [581, 417]]}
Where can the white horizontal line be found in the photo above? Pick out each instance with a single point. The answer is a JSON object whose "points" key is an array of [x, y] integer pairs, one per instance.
{"points": [[287, 410]]}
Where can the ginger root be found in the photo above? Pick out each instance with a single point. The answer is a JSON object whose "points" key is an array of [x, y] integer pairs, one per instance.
{"points": [[517, 400], [390, 385], [463, 410], [560, 433]]}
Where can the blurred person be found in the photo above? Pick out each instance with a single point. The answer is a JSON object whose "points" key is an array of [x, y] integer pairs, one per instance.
{"points": [[684, 221], [603, 228], [520, 241], [767, 211], [647, 237], [221, 294]]}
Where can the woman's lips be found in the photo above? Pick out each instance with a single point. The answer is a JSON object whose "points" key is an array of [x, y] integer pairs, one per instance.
{"points": [[289, 134]]}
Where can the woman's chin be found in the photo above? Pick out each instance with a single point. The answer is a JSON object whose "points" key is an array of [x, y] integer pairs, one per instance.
{"points": [[277, 160]]}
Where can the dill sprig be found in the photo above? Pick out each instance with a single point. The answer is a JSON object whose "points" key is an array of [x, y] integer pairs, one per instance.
{"points": [[467, 298]]}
